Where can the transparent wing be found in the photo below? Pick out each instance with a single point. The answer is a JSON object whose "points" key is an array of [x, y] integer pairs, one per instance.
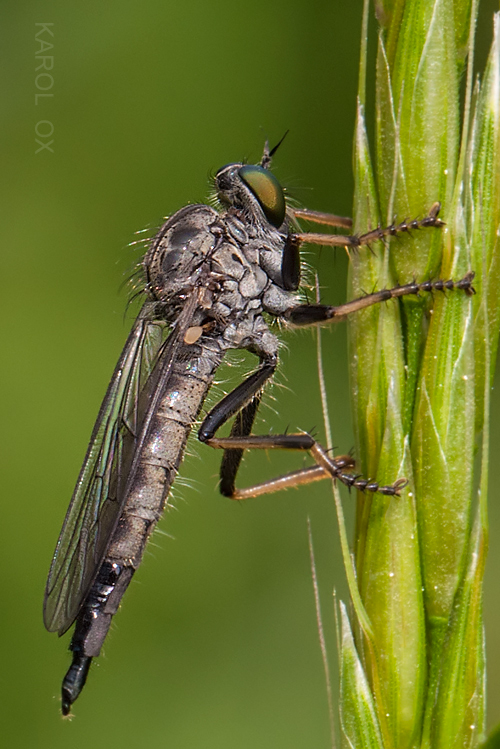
{"points": [[112, 457]]}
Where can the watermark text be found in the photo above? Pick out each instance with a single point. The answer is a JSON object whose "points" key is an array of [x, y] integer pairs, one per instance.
{"points": [[44, 83]]}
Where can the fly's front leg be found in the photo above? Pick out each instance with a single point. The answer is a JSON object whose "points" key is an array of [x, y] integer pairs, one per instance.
{"points": [[311, 314], [353, 241], [291, 255], [327, 219], [244, 402]]}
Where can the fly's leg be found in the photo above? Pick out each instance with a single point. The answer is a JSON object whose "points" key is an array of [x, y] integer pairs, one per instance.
{"points": [[327, 219], [244, 402], [313, 314], [353, 241], [290, 268]]}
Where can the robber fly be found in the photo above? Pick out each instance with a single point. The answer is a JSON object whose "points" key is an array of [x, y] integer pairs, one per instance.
{"points": [[212, 279]]}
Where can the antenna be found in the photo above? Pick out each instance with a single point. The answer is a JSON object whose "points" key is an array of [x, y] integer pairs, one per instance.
{"points": [[268, 154]]}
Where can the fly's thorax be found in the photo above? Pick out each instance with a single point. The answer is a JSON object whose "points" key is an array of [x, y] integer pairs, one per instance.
{"points": [[252, 258], [179, 252], [250, 275], [237, 255], [251, 333], [242, 281]]}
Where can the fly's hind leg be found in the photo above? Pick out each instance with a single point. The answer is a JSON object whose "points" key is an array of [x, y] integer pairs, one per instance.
{"points": [[244, 401]]}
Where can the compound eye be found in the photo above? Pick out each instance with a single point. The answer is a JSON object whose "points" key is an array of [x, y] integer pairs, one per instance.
{"points": [[268, 192]]}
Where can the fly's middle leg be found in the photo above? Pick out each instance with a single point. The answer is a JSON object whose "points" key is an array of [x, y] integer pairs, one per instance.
{"points": [[314, 314]]}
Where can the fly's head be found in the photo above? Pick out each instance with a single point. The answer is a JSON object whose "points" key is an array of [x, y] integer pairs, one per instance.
{"points": [[254, 190]]}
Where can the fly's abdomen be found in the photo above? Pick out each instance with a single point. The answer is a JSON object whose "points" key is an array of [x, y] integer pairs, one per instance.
{"points": [[157, 467], [160, 459], [92, 626]]}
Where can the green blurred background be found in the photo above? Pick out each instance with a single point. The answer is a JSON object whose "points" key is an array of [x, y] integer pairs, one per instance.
{"points": [[216, 644]]}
